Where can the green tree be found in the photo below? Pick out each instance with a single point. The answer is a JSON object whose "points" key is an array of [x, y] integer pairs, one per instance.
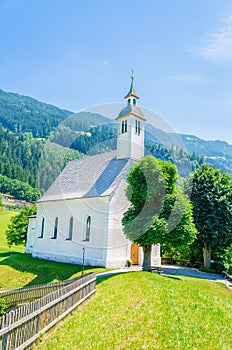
{"points": [[159, 212], [17, 229], [212, 210]]}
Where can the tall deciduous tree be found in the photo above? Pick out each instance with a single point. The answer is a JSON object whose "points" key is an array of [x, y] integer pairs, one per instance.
{"points": [[17, 229], [158, 211], [212, 210]]}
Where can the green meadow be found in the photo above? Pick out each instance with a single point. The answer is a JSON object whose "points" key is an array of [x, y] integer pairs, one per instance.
{"points": [[140, 310], [136, 310]]}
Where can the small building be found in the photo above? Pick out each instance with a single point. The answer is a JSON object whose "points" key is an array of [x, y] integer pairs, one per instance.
{"points": [[11, 201], [84, 206]]}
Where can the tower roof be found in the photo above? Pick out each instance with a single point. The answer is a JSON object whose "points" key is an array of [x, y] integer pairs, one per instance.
{"points": [[132, 90], [130, 109]]}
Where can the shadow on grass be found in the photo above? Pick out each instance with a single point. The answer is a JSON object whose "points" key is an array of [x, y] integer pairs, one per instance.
{"points": [[44, 271], [7, 253], [110, 275], [172, 277]]}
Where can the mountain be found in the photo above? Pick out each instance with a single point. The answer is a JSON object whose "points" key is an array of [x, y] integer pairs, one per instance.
{"points": [[38, 139], [25, 114]]}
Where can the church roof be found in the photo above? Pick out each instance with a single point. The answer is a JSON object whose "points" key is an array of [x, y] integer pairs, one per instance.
{"points": [[93, 176], [131, 109]]}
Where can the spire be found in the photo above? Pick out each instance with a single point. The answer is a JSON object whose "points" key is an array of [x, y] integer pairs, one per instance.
{"points": [[132, 92]]}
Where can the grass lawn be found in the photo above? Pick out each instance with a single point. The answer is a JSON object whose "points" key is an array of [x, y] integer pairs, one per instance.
{"points": [[141, 310], [18, 269], [4, 222]]}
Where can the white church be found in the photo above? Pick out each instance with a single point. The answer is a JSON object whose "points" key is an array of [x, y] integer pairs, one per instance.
{"points": [[84, 206]]}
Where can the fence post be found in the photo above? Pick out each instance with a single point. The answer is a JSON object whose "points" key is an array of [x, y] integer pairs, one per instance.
{"points": [[4, 342], [38, 323]]}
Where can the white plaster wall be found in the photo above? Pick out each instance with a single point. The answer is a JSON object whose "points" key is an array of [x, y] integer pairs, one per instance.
{"points": [[124, 140], [129, 144], [137, 145], [71, 251], [118, 244], [30, 235]]}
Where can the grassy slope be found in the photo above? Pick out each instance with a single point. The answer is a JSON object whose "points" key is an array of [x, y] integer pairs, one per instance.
{"points": [[4, 222], [132, 311], [18, 269], [147, 311]]}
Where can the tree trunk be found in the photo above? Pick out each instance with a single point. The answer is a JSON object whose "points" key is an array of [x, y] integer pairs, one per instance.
{"points": [[147, 258], [207, 255]]}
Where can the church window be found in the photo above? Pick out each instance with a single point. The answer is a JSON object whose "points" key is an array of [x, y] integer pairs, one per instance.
{"points": [[134, 101], [70, 229], [87, 229], [55, 229], [137, 127], [129, 101], [124, 126], [42, 228]]}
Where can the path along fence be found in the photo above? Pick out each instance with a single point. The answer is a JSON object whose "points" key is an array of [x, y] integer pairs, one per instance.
{"points": [[22, 326]]}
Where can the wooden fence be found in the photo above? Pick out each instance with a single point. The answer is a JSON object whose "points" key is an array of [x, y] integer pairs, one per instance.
{"points": [[21, 295], [21, 327]]}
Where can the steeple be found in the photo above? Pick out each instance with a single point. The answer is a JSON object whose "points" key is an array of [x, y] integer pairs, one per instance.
{"points": [[131, 97], [130, 141]]}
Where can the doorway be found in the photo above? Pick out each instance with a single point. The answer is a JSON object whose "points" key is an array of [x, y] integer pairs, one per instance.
{"points": [[134, 254]]}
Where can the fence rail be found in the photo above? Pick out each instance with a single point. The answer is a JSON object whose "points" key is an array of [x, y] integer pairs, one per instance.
{"points": [[26, 294], [21, 327]]}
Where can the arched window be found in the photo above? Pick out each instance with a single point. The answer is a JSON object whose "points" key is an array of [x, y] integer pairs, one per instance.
{"points": [[137, 127], [87, 229], [42, 228], [55, 229], [124, 126], [134, 101], [70, 229]]}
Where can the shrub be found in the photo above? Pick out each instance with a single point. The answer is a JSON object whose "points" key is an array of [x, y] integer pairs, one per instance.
{"points": [[229, 270], [203, 269], [128, 263], [218, 266], [2, 306]]}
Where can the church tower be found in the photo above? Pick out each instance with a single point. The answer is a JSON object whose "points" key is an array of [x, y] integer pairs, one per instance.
{"points": [[130, 141]]}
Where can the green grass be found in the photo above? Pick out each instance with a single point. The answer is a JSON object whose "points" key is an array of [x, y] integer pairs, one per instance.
{"points": [[146, 311], [18, 269], [4, 222]]}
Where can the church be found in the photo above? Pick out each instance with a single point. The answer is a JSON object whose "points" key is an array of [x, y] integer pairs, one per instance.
{"points": [[84, 206]]}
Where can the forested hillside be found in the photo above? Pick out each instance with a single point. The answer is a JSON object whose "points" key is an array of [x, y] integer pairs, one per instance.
{"points": [[37, 140], [25, 114]]}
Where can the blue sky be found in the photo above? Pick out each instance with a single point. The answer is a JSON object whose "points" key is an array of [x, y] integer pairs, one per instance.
{"points": [[75, 54]]}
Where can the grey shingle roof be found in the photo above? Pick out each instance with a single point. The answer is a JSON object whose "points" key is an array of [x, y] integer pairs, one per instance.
{"points": [[92, 176], [131, 109]]}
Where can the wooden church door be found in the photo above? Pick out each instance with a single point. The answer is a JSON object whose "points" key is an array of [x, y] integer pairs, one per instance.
{"points": [[134, 254]]}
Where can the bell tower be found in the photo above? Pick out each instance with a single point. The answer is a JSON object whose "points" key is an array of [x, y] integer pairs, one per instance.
{"points": [[130, 141]]}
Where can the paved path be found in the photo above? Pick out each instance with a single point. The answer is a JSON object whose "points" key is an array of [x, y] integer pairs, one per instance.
{"points": [[173, 270], [191, 272]]}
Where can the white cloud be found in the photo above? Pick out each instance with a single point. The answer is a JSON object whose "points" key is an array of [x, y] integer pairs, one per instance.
{"points": [[218, 47], [191, 78]]}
